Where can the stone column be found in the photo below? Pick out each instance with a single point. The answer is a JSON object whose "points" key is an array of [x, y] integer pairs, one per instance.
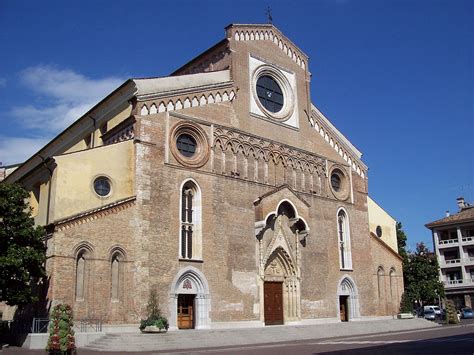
{"points": [[173, 314]]}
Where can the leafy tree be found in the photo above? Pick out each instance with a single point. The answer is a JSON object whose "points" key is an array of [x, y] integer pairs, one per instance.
{"points": [[401, 241], [421, 274], [22, 251]]}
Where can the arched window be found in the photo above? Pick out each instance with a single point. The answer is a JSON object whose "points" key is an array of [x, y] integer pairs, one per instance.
{"points": [[190, 231], [380, 275], [345, 257], [392, 283], [81, 267], [116, 276]]}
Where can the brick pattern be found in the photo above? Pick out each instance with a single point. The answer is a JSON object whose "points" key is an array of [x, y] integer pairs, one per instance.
{"points": [[148, 231]]}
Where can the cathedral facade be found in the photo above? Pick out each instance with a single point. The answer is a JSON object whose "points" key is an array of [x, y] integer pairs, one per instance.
{"points": [[221, 187]]}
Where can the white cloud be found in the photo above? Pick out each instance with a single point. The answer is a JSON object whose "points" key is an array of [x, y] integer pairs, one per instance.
{"points": [[15, 150], [64, 96]]}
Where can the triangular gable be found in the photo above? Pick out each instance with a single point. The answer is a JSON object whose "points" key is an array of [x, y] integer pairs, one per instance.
{"points": [[278, 189]]}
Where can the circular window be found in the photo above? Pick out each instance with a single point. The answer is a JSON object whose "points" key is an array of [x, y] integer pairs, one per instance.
{"points": [[378, 231], [186, 145], [339, 183], [102, 186], [336, 181], [269, 93], [272, 92], [189, 146]]}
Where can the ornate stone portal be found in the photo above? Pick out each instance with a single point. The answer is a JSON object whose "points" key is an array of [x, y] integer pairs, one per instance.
{"points": [[279, 244]]}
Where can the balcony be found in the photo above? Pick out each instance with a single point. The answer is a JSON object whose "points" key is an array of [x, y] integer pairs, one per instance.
{"points": [[450, 263], [448, 243], [452, 284], [469, 260], [468, 240]]}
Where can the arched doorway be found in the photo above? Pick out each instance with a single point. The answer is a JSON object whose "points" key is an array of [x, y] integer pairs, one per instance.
{"points": [[189, 300], [280, 235], [348, 299], [280, 288]]}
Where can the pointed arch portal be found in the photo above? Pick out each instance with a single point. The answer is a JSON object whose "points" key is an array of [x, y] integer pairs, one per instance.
{"points": [[280, 288], [189, 300], [348, 299]]}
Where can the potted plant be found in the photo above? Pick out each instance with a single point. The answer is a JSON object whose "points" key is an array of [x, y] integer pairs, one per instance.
{"points": [[155, 322], [61, 334]]}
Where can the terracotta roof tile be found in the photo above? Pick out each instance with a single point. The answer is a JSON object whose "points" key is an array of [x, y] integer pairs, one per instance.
{"points": [[465, 215]]}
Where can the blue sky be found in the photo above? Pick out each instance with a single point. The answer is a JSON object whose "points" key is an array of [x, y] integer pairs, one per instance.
{"points": [[395, 76]]}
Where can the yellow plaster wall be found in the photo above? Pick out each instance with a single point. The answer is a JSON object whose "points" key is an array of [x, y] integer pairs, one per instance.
{"points": [[119, 115], [81, 145], [122, 115], [378, 217], [75, 172], [42, 207]]}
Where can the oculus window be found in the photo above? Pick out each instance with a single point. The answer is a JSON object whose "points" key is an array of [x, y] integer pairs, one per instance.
{"points": [[102, 186], [189, 146], [378, 231], [186, 145], [270, 94]]}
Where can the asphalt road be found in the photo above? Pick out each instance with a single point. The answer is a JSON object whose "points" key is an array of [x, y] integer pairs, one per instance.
{"points": [[444, 340]]}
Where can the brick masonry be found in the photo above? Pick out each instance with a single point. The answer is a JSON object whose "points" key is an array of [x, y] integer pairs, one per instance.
{"points": [[148, 230]]}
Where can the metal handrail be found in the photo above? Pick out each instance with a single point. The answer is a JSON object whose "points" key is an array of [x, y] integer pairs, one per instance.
{"points": [[87, 325], [40, 325]]}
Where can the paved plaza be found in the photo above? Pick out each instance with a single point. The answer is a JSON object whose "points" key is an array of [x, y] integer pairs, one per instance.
{"points": [[188, 340]]}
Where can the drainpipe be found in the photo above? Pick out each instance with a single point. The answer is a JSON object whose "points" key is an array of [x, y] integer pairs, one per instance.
{"points": [[48, 204], [93, 132]]}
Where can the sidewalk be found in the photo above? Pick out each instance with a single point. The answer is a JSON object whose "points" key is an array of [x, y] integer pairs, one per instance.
{"points": [[200, 339]]}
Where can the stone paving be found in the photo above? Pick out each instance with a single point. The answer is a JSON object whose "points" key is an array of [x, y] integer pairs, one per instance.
{"points": [[187, 340], [195, 339]]}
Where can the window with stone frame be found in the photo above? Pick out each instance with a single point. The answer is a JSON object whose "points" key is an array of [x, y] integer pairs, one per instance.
{"points": [[380, 281], [80, 276], [116, 276], [345, 256], [392, 283], [190, 222]]}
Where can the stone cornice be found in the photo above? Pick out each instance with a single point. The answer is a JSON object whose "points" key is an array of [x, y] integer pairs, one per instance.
{"points": [[338, 142], [185, 91], [92, 214], [279, 188], [268, 32], [214, 95]]}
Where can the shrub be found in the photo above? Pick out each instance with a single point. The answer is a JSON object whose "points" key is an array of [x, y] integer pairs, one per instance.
{"points": [[61, 335], [406, 306], [451, 314], [155, 318]]}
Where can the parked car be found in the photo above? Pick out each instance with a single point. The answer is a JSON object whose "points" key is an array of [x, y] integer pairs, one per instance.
{"points": [[466, 313], [436, 309], [429, 314], [442, 316]]}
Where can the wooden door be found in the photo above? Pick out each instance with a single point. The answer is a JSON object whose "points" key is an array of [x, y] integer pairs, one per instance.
{"points": [[273, 303], [186, 311], [343, 308]]}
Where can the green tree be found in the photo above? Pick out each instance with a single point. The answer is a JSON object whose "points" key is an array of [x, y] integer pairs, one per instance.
{"points": [[402, 242], [22, 251], [421, 274]]}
